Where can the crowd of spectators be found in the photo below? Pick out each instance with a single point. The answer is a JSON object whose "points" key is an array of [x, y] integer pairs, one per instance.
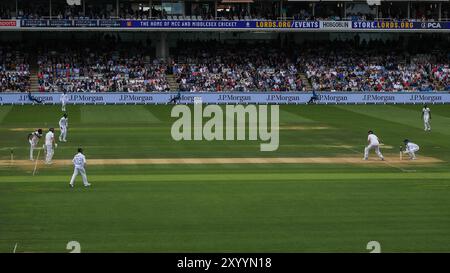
{"points": [[126, 67], [76, 12], [306, 14], [14, 69], [375, 66], [213, 66], [260, 10], [198, 66]]}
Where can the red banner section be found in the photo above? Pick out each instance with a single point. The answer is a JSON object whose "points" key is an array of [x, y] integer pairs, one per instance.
{"points": [[9, 24]]}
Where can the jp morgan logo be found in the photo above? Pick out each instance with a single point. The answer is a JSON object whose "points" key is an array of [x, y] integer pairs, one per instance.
{"points": [[333, 98], [433, 25], [43, 98], [376, 97], [281, 98], [135, 98], [227, 123], [85, 98], [425, 98], [234, 98]]}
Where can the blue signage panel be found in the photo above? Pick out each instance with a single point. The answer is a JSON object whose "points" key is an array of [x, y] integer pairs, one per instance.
{"points": [[79, 23], [233, 24], [34, 23], [237, 24], [432, 25], [85, 23], [403, 25], [383, 25]]}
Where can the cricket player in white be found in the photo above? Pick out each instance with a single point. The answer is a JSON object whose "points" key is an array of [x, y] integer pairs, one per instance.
{"points": [[63, 124], [64, 98], [79, 161], [411, 149], [374, 143], [49, 142], [426, 116], [33, 139]]}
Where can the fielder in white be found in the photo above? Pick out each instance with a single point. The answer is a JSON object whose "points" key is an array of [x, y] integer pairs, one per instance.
{"points": [[374, 143], [33, 139], [79, 161], [63, 124], [64, 98], [426, 116], [410, 149], [49, 142]]}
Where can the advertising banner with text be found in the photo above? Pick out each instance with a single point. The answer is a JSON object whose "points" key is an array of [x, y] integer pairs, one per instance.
{"points": [[286, 25], [229, 98], [9, 24]]}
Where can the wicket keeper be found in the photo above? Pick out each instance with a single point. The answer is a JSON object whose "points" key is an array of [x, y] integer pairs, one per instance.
{"points": [[410, 149]]}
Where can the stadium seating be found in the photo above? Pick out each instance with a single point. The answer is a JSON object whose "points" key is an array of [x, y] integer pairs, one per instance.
{"points": [[14, 69], [341, 67], [100, 69], [212, 66], [298, 10]]}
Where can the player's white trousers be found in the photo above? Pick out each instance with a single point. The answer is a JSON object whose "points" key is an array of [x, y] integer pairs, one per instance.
{"points": [[49, 153], [426, 124], [63, 107], [63, 135], [370, 147], [32, 147], [82, 171], [412, 153]]}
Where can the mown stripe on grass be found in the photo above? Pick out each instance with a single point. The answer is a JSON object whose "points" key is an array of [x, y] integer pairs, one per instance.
{"points": [[382, 177], [396, 114], [111, 115], [4, 112]]}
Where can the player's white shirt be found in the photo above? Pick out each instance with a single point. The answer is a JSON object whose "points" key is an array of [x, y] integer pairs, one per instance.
{"points": [[412, 146], [49, 138], [79, 160], [373, 139], [426, 113], [63, 122], [64, 98]]}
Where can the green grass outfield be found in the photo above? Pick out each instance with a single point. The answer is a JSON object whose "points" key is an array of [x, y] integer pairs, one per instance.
{"points": [[227, 207]]}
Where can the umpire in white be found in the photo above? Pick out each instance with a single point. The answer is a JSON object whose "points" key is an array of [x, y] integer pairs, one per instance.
{"points": [[79, 161]]}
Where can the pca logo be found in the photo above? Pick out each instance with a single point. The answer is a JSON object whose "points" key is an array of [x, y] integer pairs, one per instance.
{"points": [[433, 25]]}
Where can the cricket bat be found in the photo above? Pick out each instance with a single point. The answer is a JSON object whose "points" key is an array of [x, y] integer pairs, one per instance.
{"points": [[401, 153]]}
